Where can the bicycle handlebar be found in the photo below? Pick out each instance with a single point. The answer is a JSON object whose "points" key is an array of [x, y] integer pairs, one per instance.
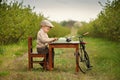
{"points": [[83, 34]]}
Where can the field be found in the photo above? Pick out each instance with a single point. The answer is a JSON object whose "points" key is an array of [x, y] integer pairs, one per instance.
{"points": [[104, 56]]}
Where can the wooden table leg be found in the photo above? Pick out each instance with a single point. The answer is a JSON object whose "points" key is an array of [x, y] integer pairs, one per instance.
{"points": [[50, 58], [77, 62], [53, 54]]}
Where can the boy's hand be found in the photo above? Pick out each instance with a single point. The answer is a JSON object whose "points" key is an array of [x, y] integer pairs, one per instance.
{"points": [[55, 39]]}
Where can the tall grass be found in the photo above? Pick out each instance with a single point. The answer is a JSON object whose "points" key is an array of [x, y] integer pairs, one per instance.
{"points": [[104, 56], [14, 49]]}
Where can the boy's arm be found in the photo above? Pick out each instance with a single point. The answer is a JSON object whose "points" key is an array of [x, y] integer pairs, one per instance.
{"points": [[45, 39]]}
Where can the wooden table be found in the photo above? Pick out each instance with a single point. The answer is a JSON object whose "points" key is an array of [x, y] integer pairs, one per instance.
{"points": [[62, 44]]}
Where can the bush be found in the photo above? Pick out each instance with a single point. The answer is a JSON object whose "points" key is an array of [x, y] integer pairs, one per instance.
{"points": [[58, 31], [17, 22], [107, 24]]}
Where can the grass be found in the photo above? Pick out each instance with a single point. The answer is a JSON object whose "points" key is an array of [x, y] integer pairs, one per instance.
{"points": [[9, 53], [104, 56]]}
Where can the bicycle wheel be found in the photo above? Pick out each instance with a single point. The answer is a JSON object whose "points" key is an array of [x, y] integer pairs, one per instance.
{"points": [[87, 59], [81, 63], [84, 62]]}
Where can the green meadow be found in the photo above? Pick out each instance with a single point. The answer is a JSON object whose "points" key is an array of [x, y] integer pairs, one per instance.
{"points": [[18, 21], [104, 56]]}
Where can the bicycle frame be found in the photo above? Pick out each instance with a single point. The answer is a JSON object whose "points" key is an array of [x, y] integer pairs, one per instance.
{"points": [[84, 63], [82, 47]]}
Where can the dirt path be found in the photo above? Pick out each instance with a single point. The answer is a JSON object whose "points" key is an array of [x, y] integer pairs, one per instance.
{"points": [[13, 68], [19, 63]]}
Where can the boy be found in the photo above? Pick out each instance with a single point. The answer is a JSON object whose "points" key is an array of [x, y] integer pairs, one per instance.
{"points": [[43, 39]]}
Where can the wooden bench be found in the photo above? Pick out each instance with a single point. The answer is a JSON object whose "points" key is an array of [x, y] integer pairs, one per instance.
{"points": [[32, 55]]}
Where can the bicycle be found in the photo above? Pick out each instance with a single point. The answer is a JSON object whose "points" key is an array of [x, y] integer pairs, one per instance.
{"points": [[83, 60]]}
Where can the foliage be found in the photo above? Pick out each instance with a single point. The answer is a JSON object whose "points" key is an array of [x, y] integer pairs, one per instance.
{"points": [[69, 23], [4, 73], [17, 22], [107, 24], [58, 31], [1, 50]]}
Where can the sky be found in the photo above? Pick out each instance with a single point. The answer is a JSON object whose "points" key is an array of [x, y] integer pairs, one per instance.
{"points": [[59, 10]]}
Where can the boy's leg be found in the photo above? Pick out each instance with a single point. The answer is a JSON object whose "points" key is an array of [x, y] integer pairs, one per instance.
{"points": [[43, 51]]}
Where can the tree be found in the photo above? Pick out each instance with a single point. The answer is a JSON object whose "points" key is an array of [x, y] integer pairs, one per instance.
{"points": [[107, 24]]}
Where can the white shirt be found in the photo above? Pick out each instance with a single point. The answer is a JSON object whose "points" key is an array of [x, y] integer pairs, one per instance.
{"points": [[43, 39]]}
